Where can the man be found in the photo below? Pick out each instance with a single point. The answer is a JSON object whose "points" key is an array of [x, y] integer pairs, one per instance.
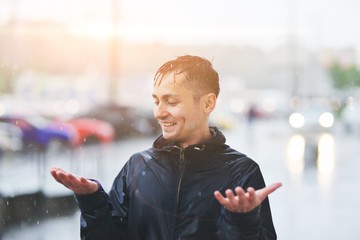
{"points": [[189, 184]]}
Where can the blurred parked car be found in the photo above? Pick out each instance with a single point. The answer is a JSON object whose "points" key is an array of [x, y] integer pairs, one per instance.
{"points": [[91, 131], [351, 118], [127, 121], [39, 133], [10, 138]]}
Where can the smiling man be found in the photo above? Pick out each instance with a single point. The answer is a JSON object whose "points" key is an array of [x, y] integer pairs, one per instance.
{"points": [[189, 184]]}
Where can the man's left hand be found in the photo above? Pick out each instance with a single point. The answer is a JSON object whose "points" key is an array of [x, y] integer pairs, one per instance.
{"points": [[243, 201]]}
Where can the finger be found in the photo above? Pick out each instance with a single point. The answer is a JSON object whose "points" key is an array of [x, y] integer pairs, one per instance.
{"points": [[54, 174], [88, 184], [72, 180], [242, 201], [251, 195], [54, 169], [240, 194], [263, 193], [229, 194], [57, 173], [239, 191], [83, 180], [272, 188], [66, 179], [233, 200], [220, 198], [71, 177]]}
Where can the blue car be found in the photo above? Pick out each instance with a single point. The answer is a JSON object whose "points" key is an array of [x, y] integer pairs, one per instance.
{"points": [[39, 133]]}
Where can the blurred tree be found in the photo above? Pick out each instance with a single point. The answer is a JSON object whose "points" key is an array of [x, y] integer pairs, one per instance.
{"points": [[345, 77]]}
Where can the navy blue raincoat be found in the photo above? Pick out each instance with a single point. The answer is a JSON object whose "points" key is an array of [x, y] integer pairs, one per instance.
{"points": [[167, 192]]}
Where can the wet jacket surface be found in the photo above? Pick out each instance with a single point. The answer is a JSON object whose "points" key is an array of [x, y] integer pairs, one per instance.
{"points": [[167, 192]]}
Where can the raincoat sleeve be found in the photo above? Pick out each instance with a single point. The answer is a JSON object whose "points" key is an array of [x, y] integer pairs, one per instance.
{"points": [[104, 216], [254, 225]]}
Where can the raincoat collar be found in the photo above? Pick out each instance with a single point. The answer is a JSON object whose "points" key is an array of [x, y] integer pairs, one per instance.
{"points": [[218, 139]]}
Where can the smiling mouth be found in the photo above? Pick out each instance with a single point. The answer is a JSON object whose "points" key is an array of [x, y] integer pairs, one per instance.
{"points": [[168, 124]]}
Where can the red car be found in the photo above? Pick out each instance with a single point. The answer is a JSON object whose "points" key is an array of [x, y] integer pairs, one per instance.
{"points": [[91, 130]]}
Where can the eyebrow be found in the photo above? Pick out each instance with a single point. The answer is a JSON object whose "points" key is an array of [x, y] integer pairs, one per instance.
{"points": [[166, 96]]}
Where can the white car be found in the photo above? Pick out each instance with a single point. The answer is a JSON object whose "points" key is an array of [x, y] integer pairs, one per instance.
{"points": [[10, 138], [311, 125], [312, 119]]}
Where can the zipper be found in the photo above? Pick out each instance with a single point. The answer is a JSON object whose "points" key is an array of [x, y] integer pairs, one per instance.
{"points": [[181, 169]]}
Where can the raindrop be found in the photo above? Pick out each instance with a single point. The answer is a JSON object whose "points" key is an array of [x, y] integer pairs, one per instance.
{"points": [[143, 173], [199, 194]]}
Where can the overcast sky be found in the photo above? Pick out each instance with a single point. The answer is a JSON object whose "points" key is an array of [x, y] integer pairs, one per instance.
{"points": [[266, 23]]}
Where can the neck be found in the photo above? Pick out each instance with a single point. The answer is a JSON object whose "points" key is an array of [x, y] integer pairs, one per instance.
{"points": [[203, 136]]}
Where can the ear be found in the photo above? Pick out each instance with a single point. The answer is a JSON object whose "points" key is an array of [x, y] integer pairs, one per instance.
{"points": [[210, 102]]}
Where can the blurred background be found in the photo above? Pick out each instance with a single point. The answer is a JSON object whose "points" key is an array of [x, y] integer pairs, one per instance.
{"points": [[75, 92]]}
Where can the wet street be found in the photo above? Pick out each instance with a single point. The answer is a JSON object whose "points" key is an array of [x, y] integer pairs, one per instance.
{"points": [[318, 199]]}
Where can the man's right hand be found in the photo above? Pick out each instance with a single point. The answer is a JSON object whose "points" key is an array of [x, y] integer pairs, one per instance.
{"points": [[77, 184]]}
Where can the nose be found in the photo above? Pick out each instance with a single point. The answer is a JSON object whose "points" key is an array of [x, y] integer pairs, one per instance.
{"points": [[160, 111]]}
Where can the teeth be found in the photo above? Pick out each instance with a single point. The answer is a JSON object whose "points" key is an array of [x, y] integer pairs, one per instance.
{"points": [[169, 124]]}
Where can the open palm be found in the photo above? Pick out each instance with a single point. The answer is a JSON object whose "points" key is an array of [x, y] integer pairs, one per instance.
{"points": [[243, 201], [77, 184]]}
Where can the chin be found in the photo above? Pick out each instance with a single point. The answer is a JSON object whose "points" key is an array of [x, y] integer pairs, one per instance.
{"points": [[168, 136]]}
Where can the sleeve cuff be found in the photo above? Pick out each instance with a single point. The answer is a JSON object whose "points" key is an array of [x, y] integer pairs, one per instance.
{"points": [[92, 201], [244, 221]]}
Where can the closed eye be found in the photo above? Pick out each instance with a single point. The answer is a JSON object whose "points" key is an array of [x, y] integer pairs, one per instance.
{"points": [[172, 103]]}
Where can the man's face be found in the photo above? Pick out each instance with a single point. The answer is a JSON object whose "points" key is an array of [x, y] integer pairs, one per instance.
{"points": [[182, 120]]}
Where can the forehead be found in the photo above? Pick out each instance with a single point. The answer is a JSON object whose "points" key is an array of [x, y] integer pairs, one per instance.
{"points": [[169, 77], [170, 84]]}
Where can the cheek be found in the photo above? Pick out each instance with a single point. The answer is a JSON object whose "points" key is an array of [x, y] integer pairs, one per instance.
{"points": [[178, 113], [189, 115], [193, 116]]}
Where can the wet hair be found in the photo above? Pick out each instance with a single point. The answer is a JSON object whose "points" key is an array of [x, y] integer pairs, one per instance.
{"points": [[200, 76]]}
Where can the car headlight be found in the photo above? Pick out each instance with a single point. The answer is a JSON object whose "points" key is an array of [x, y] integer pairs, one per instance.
{"points": [[296, 120], [326, 119]]}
